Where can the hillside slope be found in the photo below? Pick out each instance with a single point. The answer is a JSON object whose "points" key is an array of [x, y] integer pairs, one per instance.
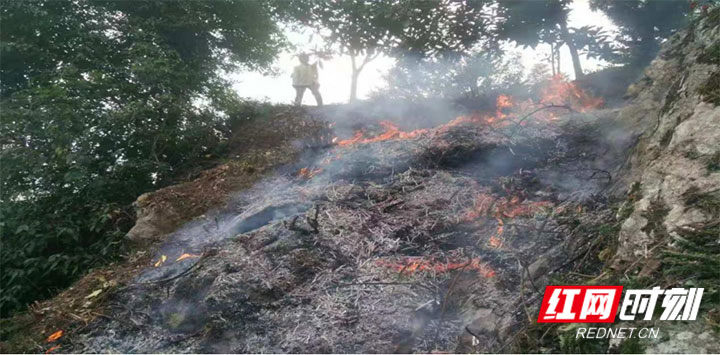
{"points": [[424, 239]]}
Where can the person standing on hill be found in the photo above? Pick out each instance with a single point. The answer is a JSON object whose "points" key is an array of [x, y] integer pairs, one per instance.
{"points": [[305, 76]]}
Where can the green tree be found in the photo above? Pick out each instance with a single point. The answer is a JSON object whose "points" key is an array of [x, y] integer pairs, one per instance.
{"points": [[471, 77], [100, 103], [364, 29], [529, 23], [643, 25]]}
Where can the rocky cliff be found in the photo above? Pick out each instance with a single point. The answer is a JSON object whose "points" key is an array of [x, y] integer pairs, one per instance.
{"points": [[675, 107], [672, 232]]}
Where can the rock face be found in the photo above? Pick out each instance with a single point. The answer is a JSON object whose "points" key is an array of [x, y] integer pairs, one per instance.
{"points": [[675, 115], [152, 222], [673, 176]]}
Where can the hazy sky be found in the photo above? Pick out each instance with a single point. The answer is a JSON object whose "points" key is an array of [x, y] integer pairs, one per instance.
{"points": [[335, 74]]}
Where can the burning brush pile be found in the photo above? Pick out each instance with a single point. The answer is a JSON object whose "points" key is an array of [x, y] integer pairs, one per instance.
{"points": [[386, 241]]}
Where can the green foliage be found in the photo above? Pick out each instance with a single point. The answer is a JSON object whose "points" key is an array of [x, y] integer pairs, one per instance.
{"points": [[473, 76], [696, 261], [643, 25], [695, 256], [405, 29], [713, 162], [631, 346], [594, 42], [710, 89], [708, 201], [711, 54], [529, 23], [101, 101], [14, 335], [713, 17], [398, 28], [569, 344]]}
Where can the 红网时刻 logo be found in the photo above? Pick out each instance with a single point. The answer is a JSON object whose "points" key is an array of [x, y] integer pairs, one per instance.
{"points": [[599, 304]]}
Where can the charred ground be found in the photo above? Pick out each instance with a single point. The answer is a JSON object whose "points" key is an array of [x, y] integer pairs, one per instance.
{"points": [[390, 240]]}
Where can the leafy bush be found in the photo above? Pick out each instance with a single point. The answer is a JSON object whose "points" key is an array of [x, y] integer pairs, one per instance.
{"points": [[472, 76], [101, 102]]}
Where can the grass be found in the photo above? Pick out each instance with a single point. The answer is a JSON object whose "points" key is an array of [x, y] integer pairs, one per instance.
{"points": [[711, 55], [655, 215], [710, 89], [601, 241], [708, 202], [692, 260], [713, 164]]}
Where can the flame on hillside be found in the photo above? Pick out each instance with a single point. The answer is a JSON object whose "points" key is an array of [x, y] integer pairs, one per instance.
{"points": [[391, 132], [309, 172], [487, 205], [160, 261], [187, 256], [411, 265], [55, 336], [558, 92], [561, 91], [163, 258], [52, 338]]}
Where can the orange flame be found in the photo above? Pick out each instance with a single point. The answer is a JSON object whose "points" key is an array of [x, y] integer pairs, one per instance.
{"points": [[496, 240], [482, 206], [187, 256], [391, 132], [515, 208], [503, 101], [55, 336], [309, 173], [355, 139], [561, 91], [558, 91], [161, 261], [486, 205], [412, 264]]}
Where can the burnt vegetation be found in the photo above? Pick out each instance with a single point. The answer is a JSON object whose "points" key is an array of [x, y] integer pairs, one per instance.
{"points": [[427, 218]]}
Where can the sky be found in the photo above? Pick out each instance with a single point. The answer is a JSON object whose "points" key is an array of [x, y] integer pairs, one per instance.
{"points": [[335, 72]]}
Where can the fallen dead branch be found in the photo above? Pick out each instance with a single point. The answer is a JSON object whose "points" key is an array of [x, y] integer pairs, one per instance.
{"points": [[197, 263]]}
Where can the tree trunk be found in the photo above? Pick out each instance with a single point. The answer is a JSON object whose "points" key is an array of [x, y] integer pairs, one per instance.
{"points": [[353, 85], [557, 52], [369, 56], [573, 51], [354, 77], [552, 58]]}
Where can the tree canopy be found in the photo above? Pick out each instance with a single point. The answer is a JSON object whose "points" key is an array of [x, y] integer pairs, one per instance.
{"points": [[100, 104], [642, 24], [531, 22], [364, 29]]}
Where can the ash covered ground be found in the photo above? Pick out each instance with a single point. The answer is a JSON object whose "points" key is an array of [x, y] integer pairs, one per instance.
{"points": [[386, 239]]}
